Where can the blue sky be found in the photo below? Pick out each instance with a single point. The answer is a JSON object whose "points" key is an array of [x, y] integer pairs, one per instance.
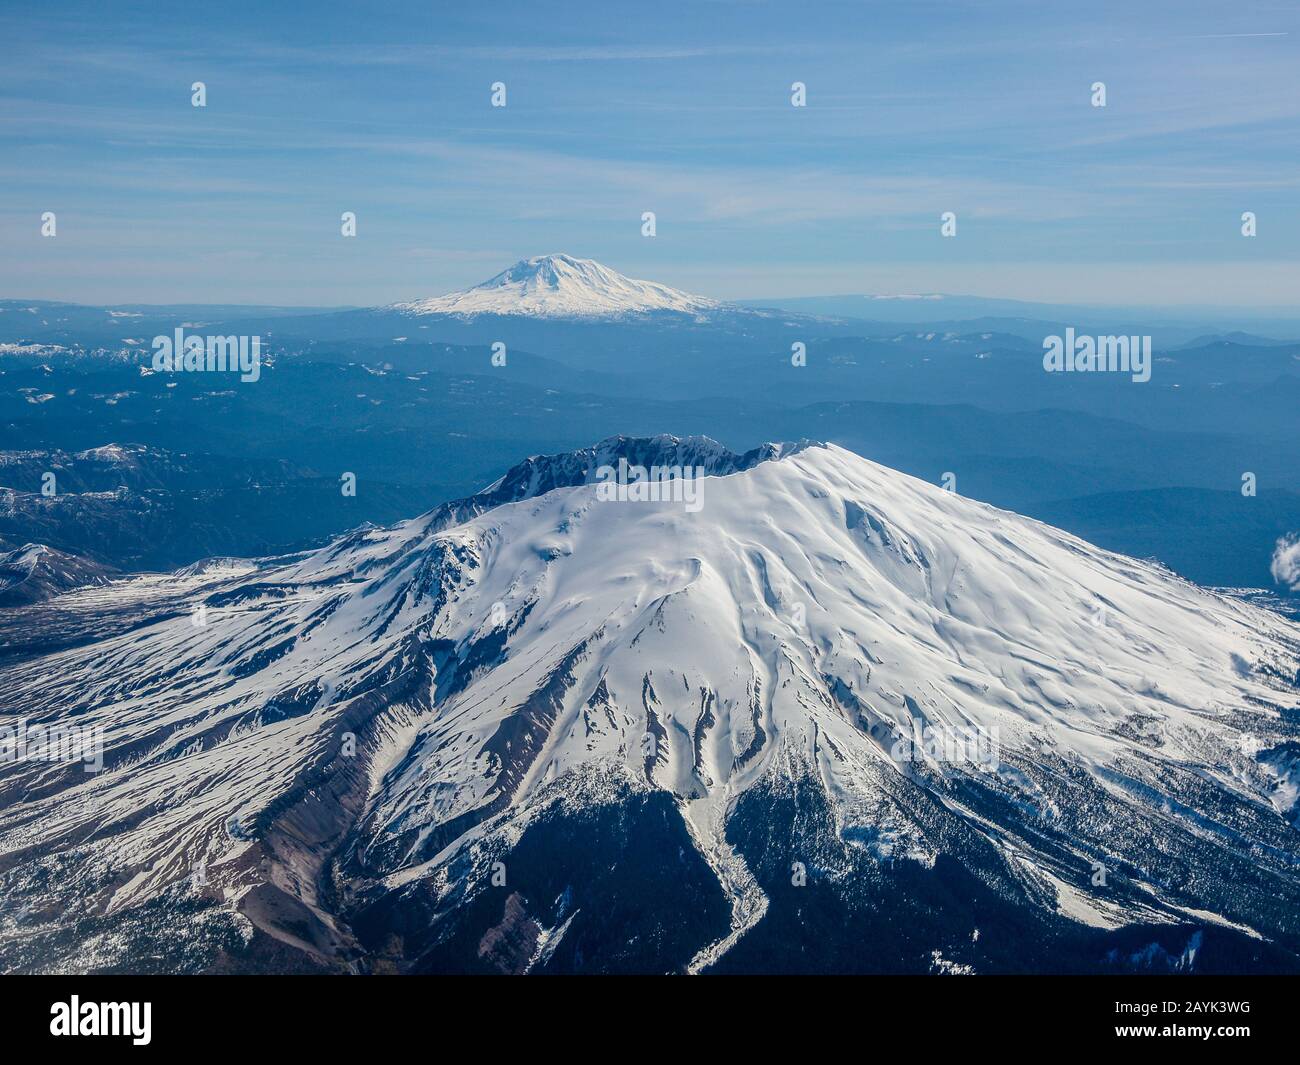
{"points": [[682, 109]]}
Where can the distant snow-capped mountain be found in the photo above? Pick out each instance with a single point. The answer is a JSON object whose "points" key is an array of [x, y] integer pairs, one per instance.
{"points": [[561, 286], [34, 572], [835, 718]]}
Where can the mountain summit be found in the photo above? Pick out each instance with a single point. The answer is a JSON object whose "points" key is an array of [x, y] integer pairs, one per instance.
{"points": [[561, 286], [833, 719]]}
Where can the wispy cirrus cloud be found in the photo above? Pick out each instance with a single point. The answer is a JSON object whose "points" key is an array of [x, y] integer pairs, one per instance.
{"points": [[683, 109]]}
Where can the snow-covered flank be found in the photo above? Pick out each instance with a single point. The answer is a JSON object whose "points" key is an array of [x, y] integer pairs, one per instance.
{"points": [[561, 286], [114, 454], [821, 600], [31, 349], [817, 612]]}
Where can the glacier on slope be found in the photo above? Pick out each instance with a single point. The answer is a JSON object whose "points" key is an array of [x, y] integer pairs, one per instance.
{"points": [[535, 730]]}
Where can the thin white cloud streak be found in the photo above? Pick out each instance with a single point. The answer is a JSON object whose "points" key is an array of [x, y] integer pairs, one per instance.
{"points": [[1228, 36], [540, 183]]}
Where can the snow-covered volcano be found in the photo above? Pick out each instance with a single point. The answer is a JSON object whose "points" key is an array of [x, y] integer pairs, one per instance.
{"points": [[561, 286], [831, 717]]}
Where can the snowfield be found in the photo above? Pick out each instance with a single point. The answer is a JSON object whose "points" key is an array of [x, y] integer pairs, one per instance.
{"points": [[349, 740], [561, 286]]}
